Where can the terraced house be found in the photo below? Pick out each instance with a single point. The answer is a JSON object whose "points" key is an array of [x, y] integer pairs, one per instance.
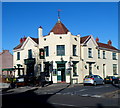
{"points": [[64, 57]]}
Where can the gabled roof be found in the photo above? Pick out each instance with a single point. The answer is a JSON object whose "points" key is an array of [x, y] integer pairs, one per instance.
{"points": [[59, 28], [101, 45], [20, 45], [83, 39]]}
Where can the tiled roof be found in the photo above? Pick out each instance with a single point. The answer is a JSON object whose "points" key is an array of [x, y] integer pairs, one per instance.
{"points": [[106, 46], [59, 28], [102, 45], [35, 39], [20, 45], [82, 39]]}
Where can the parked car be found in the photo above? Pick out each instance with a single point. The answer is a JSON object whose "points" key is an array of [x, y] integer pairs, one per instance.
{"points": [[93, 79], [112, 80], [21, 81]]}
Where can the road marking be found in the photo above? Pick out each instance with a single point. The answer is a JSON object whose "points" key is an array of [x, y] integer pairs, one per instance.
{"points": [[82, 89], [107, 86], [99, 87], [85, 95], [64, 104], [97, 96]]}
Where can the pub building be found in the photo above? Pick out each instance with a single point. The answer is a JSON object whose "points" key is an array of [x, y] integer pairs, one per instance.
{"points": [[64, 57]]}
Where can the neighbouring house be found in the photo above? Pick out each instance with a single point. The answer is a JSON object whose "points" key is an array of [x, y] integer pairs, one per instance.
{"points": [[6, 64], [64, 57]]}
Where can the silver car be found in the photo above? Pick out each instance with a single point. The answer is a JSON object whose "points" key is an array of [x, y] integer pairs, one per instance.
{"points": [[93, 79]]}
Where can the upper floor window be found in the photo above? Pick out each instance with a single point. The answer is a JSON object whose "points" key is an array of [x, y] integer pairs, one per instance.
{"points": [[89, 52], [114, 56], [104, 55], [98, 53], [18, 55], [46, 51], [30, 53], [60, 50], [74, 50]]}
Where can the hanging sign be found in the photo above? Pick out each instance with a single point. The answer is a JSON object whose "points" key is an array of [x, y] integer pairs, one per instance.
{"points": [[42, 54]]}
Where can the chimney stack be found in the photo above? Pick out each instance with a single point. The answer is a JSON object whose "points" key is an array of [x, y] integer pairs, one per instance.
{"points": [[109, 42], [40, 31], [97, 39], [21, 40]]}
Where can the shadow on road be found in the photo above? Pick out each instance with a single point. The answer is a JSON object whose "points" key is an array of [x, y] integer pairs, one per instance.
{"points": [[27, 99], [30, 99], [118, 85]]}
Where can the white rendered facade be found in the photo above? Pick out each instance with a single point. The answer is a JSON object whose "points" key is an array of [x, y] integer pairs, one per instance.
{"points": [[81, 64]]}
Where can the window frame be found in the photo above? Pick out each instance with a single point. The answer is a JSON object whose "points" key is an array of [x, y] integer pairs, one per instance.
{"points": [[104, 55], [114, 56], [18, 55], [98, 54], [59, 50], [90, 53], [46, 51], [114, 69], [74, 50], [30, 53]]}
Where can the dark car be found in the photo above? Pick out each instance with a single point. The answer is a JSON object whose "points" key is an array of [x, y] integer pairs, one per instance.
{"points": [[112, 80]]}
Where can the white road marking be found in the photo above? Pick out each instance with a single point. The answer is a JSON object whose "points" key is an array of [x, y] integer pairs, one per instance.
{"points": [[82, 89], [64, 104], [85, 95], [99, 87], [97, 96]]}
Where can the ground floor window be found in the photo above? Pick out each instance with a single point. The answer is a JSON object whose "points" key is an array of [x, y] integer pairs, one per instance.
{"points": [[114, 69]]}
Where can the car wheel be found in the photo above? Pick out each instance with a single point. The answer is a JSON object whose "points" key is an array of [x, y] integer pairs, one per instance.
{"points": [[94, 83], [103, 83], [113, 82]]}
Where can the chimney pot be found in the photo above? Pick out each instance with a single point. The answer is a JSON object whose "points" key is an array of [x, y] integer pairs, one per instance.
{"points": [[97, 39], [109, 42]]}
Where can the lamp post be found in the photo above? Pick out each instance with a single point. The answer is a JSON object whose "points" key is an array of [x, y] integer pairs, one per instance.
{"points": [[70, 67], [51, 70]]}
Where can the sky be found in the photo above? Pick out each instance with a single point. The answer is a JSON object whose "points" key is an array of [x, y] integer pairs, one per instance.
{"points": [[20, 19]]}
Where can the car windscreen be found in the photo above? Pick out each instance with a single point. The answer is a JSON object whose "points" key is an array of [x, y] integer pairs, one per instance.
{"points": [[88, 76]]}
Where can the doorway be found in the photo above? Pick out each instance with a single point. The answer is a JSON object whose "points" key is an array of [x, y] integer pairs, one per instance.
{"points": [[30, 70], [61, 73], [103, 70]]}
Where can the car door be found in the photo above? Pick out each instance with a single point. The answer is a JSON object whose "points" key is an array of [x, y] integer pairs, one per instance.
{"points": [[100, 80], [96, 79]]}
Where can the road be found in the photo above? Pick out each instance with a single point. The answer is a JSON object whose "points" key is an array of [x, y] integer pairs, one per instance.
{"points": [[62, 96]]}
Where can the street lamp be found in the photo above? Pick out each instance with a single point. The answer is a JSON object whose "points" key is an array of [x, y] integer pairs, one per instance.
{"points": [[70, 67]]}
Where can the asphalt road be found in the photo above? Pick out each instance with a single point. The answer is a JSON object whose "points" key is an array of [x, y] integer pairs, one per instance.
{"points": [[61, 96]]}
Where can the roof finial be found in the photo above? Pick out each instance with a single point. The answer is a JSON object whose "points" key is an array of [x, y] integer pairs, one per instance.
{"points": [[59, 15]]}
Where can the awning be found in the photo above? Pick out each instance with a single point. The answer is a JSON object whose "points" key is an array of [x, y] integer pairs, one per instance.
{"points": [[8, 69]]}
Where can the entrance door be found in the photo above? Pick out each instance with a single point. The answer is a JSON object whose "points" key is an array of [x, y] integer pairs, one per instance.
{"points": [[60, 72], [103, 70], [30, 70]]}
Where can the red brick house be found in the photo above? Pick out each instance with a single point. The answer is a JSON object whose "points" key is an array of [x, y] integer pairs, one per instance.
{"points": [[6, 63]]}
